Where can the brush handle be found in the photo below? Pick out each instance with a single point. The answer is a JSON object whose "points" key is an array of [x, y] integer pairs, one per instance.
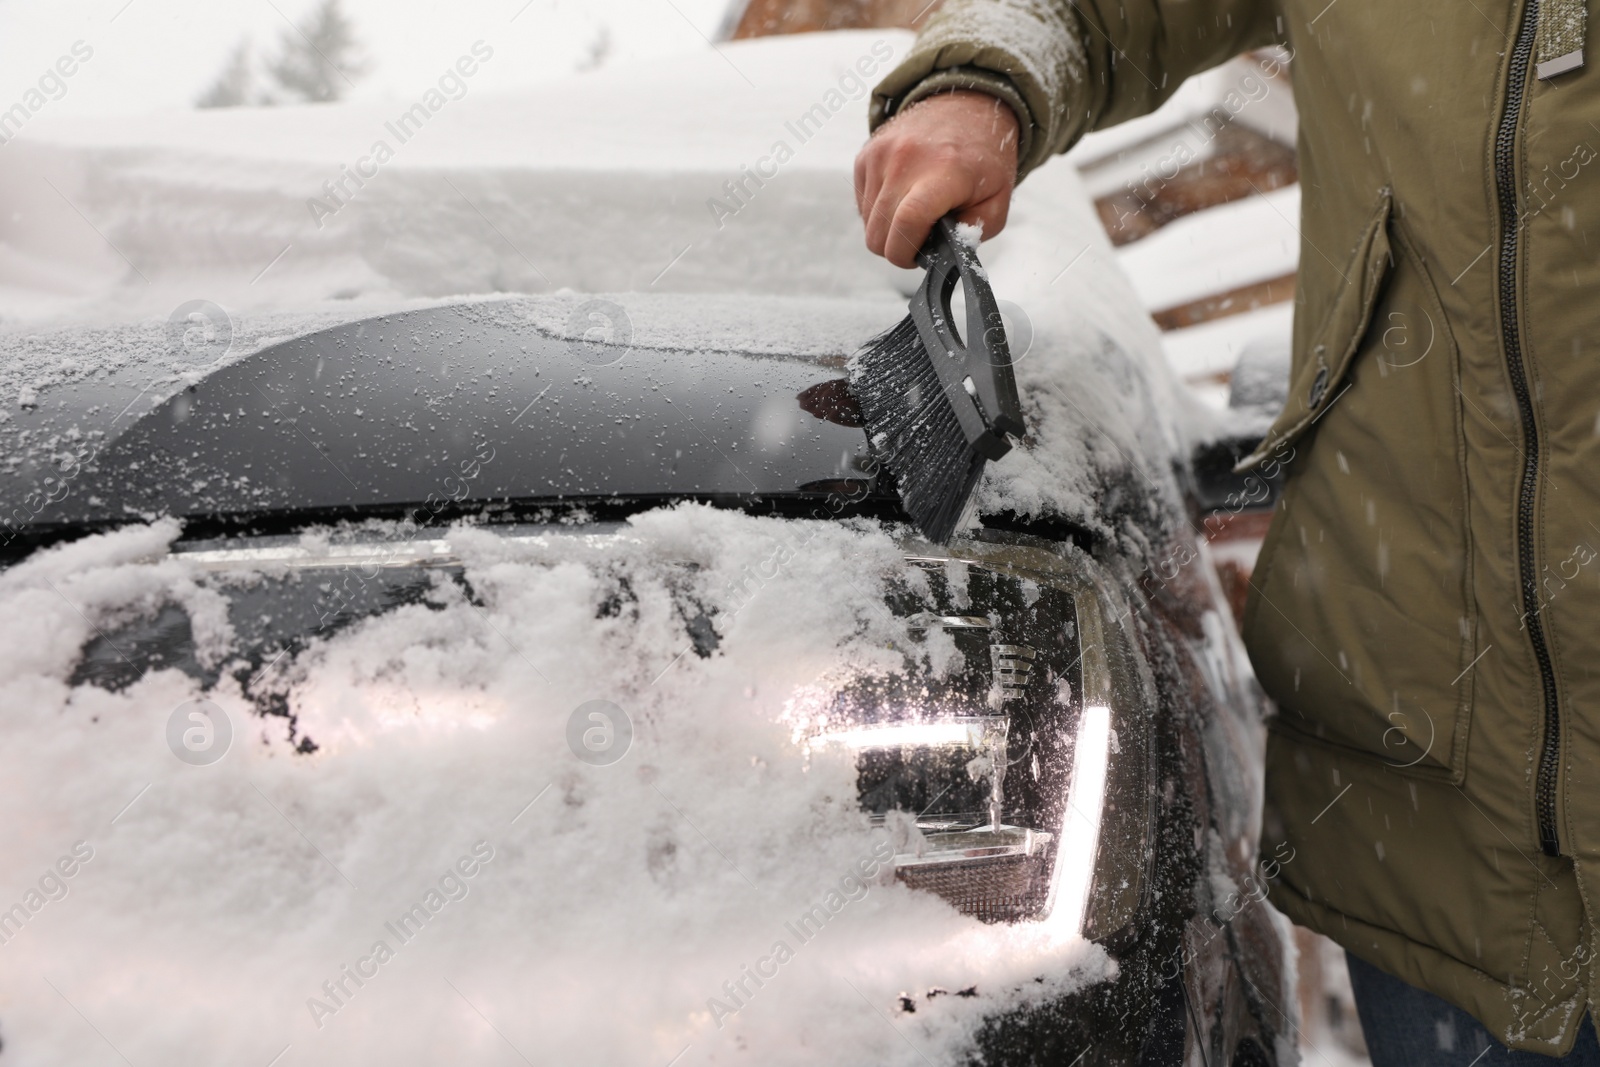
{"points": [[976, 372]]}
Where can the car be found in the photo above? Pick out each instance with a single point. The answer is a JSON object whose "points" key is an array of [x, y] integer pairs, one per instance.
{"points": [[1051, 740], [558, 676]]}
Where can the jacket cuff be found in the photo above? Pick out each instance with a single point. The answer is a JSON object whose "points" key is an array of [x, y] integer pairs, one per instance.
{"points": [[1029, 53], [974, 79]]}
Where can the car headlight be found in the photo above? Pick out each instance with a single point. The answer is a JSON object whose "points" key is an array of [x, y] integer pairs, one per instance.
{"points": [[1000, 773]]}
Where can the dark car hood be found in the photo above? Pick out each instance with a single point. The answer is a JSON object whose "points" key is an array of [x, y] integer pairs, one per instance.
{"points": [[448, 407]]}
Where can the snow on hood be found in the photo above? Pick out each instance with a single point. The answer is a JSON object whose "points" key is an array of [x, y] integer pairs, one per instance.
{"points": [[580, 913]]}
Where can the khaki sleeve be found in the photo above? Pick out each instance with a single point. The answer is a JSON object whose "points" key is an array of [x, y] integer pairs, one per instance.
{"points": [[1067, 68]]}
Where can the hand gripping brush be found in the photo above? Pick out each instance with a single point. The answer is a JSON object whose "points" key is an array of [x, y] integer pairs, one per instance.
{"points": [[936, 406]]}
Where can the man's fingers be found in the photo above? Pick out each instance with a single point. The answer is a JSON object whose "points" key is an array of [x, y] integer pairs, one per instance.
{"points": [[912, 220], [990, 213], [869, 191], [880, 217], [938, 193], [866, 185], [903, 212]]}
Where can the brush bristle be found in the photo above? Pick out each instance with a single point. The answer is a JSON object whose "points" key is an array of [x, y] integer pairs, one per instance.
{"points": [[914, 429]]}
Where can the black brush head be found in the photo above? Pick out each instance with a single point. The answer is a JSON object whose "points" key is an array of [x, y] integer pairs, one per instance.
{"points": [[914, 430], [937, 406]]}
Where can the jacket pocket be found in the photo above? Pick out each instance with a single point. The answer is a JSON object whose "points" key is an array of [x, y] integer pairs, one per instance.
{"points": [[1360, 618], [1318, 380]]}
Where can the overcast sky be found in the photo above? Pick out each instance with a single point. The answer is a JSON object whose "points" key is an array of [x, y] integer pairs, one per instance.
{"points": [[151, 55]]}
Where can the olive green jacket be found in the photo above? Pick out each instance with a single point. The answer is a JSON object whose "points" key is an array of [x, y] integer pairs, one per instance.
{"points": [[1426, 608]]}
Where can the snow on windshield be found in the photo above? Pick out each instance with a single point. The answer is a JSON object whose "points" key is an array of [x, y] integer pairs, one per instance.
{"points": [[443, 876]]}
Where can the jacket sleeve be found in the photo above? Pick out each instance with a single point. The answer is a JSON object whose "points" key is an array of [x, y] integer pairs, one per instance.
{"points": [[1070, 67]]}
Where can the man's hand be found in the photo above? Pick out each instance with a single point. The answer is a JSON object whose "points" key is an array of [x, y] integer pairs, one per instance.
{"points": [[954, 151]]}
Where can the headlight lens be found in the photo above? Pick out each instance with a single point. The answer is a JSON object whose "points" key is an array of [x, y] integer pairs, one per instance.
{"points": [[1001, 765]]}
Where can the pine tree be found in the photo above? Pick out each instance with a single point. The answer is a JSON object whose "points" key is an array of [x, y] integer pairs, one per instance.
{"points": [[319, 60], [599, 51], [233, 84]]}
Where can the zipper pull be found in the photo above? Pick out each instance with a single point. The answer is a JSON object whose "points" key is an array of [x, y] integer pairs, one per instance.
{"points": [[1562, 27]]}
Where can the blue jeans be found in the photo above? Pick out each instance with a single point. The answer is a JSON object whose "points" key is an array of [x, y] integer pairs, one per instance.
{"points": [[1406, 1027]]}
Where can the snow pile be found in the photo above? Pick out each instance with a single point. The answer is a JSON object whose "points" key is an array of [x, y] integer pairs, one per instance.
{"points": [[1260, 380], [444, 877]]}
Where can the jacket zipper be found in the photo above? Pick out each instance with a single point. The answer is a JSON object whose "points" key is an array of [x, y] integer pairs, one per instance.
{"points": [[1505, 181]]}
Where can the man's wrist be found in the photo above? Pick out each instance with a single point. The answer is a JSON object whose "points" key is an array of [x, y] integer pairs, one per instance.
{"points": [[970, 79]]}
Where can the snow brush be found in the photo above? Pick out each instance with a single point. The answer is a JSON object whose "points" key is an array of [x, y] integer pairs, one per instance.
{"points": [[936, 407]]}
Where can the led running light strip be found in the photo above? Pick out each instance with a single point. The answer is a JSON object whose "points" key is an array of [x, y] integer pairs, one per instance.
{"points": [[1080, 827], [891, 735]]}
